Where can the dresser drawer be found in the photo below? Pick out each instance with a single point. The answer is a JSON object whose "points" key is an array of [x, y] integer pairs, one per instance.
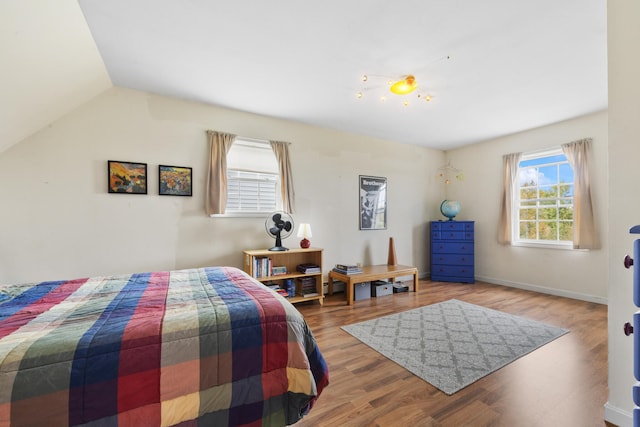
{"points": [[454, 235], [455, 225], [456, 259], [451, 270], [442, 247]]}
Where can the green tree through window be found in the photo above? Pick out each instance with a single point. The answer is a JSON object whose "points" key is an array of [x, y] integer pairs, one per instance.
{"points": [[545, 199]]}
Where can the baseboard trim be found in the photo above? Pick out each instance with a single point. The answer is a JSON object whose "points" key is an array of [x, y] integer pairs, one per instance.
{"points": [[617, 416], [545, 290]]}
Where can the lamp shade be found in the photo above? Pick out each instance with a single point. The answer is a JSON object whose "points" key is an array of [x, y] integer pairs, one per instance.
{"points": [[304, 231]]}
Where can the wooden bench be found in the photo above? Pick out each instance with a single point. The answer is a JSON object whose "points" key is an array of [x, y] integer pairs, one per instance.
{"points": [[369, 274]]}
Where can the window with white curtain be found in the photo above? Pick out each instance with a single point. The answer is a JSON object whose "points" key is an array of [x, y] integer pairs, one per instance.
{"points": [[543, 210], [253, 181]]}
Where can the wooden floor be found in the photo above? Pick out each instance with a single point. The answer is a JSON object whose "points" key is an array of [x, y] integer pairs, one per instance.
{"points": [[563, 383]]}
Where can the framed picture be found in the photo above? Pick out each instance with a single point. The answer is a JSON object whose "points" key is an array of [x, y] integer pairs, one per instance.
{"points": [[174, 180], [373, 203], [127, 177]]}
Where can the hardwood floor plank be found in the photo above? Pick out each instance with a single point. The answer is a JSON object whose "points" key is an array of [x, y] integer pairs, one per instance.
{"points": [[563, 383]]}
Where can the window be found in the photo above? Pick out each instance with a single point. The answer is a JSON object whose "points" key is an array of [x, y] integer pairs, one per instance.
{"points": [[543, 209], [253, 180]]}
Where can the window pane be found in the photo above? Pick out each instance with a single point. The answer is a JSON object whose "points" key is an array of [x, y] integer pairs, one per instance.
{"points": [[528, 177], [548, 230], [565, 214], [566, 190], [548, 175], [528, 193], [528, 230], [566, 173], [566, 231], [548, 191], [527, 214], [547, 213]]}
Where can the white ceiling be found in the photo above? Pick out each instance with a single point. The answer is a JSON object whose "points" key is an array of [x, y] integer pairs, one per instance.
{"points": [[512, 66]]}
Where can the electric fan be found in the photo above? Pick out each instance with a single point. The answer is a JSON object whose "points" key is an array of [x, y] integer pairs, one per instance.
{"points": [[280, 226]]}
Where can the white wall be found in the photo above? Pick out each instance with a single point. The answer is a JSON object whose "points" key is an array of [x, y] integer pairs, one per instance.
{"points": [[578, 274], [624, 195], [50, 65], [59, 221]]}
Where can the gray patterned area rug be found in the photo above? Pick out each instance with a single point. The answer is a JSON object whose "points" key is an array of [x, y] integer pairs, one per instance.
{"points": [[453, 343]]}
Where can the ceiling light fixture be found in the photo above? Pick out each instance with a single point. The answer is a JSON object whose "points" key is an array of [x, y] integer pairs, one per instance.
{"points": [[401, 87], [405, 86]]}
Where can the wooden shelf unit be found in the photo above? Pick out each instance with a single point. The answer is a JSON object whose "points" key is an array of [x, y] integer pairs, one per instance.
{"points": [[289, 259]]}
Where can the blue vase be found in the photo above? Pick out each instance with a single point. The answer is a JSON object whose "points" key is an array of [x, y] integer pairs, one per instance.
{"points": [[450, 208]]}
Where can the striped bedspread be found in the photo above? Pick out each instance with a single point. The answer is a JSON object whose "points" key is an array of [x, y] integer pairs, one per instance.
{"points": [[195, 347]]}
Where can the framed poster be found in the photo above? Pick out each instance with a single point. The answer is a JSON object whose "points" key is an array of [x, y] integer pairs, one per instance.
{"points": [[127, 177], [373, 202], [174, 180]]}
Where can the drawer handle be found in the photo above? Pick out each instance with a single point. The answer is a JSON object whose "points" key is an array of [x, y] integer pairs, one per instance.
{"points": [[628, 261], [628, 329]]}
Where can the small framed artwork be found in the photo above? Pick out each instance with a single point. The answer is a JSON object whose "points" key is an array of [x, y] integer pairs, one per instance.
{"points": [[127, 177], [175, 180], [373, 203]]}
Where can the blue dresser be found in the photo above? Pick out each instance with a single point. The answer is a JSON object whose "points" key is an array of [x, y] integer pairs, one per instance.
{"points": [[452, 255]]}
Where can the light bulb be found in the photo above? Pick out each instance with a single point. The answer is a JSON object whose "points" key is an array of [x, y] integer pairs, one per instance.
{"points": [[364, 78], [359, 95], [404, 86]]}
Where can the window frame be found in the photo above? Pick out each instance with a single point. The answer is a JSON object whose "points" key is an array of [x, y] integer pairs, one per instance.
{"points": [[516, 201], [244, 168]]}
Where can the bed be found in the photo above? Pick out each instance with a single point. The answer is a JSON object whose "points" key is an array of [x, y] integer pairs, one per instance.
{"points": [[196, 347]]}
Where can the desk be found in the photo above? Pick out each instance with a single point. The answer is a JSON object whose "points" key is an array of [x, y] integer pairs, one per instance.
{"points": [[369, 274]]}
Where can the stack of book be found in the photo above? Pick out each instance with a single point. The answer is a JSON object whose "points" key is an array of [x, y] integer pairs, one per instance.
{"points": [[309, 268], [347, 269], [308, 287], [261, 267]]}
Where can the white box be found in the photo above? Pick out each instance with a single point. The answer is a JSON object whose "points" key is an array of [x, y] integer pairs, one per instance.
{"points": [[380, 289]]}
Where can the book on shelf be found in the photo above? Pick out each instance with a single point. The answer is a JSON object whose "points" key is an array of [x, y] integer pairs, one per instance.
{"points": [[310, 294], [309, 268], [261, 267], [277, 271], [307, 286], [347, 269]]}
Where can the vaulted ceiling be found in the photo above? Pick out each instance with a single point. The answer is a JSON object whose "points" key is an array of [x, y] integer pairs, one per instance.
{"points": [[491, 68]]}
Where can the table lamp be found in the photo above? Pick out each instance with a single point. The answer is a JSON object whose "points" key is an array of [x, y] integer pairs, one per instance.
{"points": [[304, 231]]}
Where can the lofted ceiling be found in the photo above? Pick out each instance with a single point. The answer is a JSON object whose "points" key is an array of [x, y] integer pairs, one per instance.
{"points": [[492, 68]]}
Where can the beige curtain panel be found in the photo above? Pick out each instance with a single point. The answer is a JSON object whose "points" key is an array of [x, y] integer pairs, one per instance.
{"points": [[216, 188], [510, 164], [281, 151], [585, 235]]}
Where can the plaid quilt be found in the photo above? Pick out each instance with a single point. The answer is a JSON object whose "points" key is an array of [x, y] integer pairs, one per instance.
{"points": [[208, 346]]}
